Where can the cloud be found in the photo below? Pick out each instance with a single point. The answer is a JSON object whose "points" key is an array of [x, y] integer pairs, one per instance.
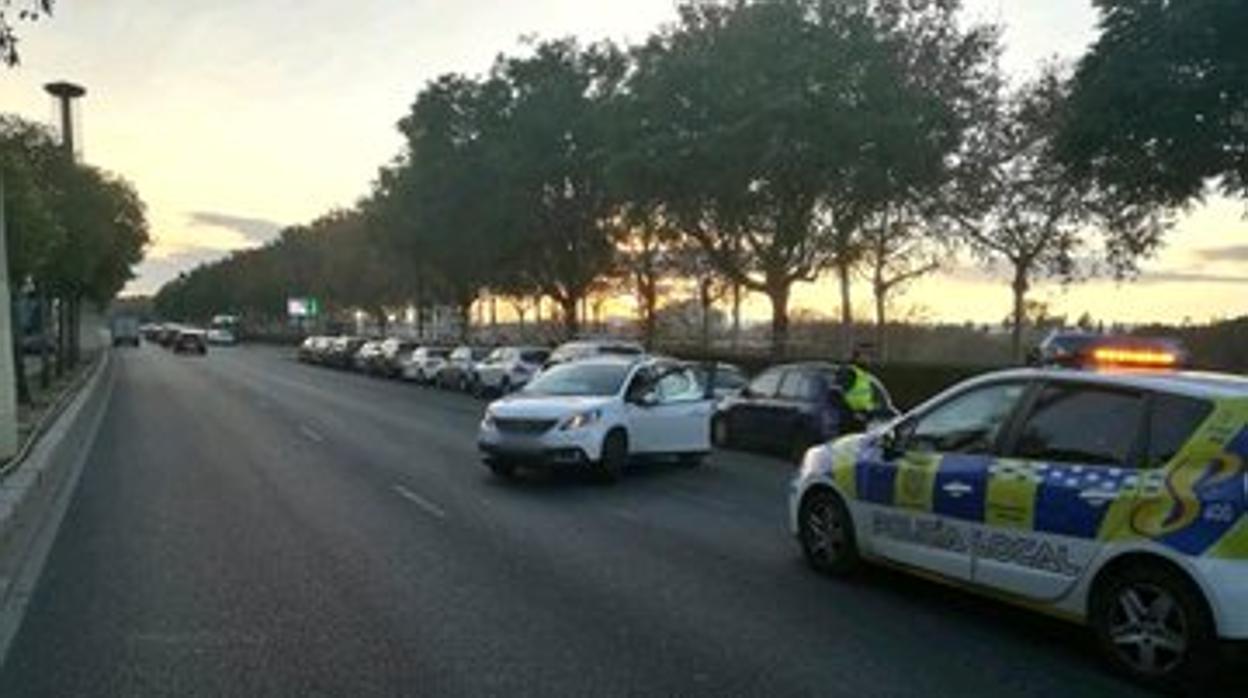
{"points": [[1229, 253], [158, 268], [255, 230]]}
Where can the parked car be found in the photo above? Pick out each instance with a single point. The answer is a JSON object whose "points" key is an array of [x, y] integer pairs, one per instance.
{"points": [[222, 337], [423, 364], [597, 414], [366, 356], [342, 350], [789, 408], [167, 334], [389, 361], [458, 371], [308, 348], [581, 349], [510, 368], [190, 340], [1114, 499], [727, 380]]}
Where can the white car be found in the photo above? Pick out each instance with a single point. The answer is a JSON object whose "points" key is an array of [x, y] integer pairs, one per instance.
{"points": [[221, 337], [598, 413], [424, 363], [510, 368], [1115, 499]]}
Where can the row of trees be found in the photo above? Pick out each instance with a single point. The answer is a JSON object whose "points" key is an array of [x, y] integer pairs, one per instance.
{"points": [[749, 146], [73, 233]]}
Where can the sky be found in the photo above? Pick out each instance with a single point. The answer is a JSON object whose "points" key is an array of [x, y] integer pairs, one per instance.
{"points": [[235, 118]]}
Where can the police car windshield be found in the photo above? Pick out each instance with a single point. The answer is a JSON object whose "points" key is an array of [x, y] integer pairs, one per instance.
{"points": [[580, 380]]}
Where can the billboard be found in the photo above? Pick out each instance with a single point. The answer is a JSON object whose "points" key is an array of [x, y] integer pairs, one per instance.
{"points": [[302, 307]]}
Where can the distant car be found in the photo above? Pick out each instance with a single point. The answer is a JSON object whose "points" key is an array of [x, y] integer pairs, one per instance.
{"points": [[342, 350], [423, 364], [585, 348], [221, 336], [125, 330], [789, 408], [598, 413], [167, 334], [457, 372], [1068, 349], [510, 368], [389, 361], [366, 356], [190, 341]]}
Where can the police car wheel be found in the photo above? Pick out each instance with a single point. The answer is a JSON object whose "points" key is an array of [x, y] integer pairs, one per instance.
{"points": [[826, 532], [1152, 624]]}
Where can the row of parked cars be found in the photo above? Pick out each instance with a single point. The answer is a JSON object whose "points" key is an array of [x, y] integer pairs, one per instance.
{"points": [[479, 370]]}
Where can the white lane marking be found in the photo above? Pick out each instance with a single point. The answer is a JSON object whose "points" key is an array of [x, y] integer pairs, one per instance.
{"points": [[429, 507], [310, 434]]}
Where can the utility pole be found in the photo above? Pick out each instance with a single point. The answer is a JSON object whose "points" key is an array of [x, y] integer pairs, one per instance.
{"points": [[8, 374]]}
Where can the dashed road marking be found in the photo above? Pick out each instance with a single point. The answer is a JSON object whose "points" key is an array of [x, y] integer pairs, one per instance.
{"points": [[429, 507], [310, 434]]}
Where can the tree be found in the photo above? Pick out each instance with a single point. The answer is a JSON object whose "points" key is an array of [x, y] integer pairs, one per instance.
{"points": [[896, 251], [1158, 103], [550, 153], [1019, 205], [27, 11], [770, 157]]}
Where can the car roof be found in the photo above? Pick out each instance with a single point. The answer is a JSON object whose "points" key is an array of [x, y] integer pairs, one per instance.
{"points": [[1189, 383], [610, 360]]}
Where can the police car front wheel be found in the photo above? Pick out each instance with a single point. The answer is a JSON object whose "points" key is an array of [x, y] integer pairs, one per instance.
{"points": [[826, 533], [1152, 624]]}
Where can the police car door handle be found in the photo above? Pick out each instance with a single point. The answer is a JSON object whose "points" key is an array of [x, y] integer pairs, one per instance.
{"points": [[957, 489]]}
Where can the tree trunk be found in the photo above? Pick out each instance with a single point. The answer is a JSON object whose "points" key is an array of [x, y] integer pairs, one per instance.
{"points": [[736, 316], [779, 295], [493, 313], [705, 300], [19, 359], [537, 313], [45, 351], [649, 303], [881, 326], [571, 323], [1020, 287], [847, 309], [465, 321]]}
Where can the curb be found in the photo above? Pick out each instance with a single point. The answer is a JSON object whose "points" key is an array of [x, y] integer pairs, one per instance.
{"points": [[47, 419], [31, 492]]}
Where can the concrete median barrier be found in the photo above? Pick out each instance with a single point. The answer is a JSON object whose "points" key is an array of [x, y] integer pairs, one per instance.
{"points": [[35, 489]]}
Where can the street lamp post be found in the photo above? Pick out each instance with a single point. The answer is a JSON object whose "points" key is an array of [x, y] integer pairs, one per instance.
{"points": [[65, 94]]}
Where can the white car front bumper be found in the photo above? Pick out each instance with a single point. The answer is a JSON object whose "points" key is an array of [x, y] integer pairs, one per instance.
{"points": [[554, 447]]}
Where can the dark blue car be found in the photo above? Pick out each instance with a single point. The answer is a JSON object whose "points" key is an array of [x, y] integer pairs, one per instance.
{"points": [[787, 409]]}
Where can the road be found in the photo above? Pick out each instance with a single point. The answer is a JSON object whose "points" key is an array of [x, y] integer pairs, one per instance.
{"points": [[247, 525]]}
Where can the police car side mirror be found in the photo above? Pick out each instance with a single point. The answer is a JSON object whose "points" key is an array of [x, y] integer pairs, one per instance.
{"points": [[892, 442]]}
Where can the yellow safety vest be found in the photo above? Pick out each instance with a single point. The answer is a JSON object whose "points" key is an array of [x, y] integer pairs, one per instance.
{"points": [[860, 397]]}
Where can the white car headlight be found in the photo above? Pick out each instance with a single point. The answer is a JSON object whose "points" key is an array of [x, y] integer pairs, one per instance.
{"points": [[488, 420], [582, 420]]}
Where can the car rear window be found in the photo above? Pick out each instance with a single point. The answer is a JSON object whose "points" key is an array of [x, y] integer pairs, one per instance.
{"points": [[1171, 422]]}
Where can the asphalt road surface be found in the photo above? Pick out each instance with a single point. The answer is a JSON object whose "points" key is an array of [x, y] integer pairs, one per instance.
{"points": [[249, 526]]}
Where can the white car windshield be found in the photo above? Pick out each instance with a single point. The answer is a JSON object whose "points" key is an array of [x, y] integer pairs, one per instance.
{"points": [[580, 379]]}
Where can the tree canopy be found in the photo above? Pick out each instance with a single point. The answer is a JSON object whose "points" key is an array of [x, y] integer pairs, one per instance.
{"points": [[1160, 102]]}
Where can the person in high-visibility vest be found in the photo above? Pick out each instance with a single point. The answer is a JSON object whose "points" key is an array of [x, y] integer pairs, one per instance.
{"points": [[858, 394]]}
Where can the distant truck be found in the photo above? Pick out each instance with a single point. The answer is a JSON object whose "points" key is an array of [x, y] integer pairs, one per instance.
{"points": [[125, 330]]}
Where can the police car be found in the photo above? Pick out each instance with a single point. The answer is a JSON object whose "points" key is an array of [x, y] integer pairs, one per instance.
{"points": [[1112, 498], [597, 413]]}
